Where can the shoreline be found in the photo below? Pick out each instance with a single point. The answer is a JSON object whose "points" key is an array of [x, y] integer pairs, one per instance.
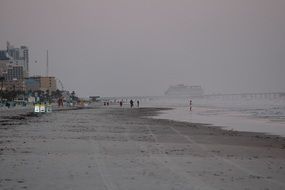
{"points": [[213, 129], [235, 121]]}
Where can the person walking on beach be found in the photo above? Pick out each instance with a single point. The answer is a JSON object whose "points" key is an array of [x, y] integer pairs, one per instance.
{"points": [[60, 102], [190, 105], [138, 103], [131, 103], [121, 103]]}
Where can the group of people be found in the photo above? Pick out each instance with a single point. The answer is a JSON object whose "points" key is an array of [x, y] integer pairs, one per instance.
{"points": [[132, 103], [121, 103], [138, 104]]}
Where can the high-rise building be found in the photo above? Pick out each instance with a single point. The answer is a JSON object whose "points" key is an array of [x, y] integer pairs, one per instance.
{"points": [[24, 56], [3, 67], [14, 67], [4, 55], [14, 72], [13, 76], [19, 56]]}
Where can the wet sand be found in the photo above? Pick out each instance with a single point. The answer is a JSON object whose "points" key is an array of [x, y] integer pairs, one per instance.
{"points": [[113, 148]]}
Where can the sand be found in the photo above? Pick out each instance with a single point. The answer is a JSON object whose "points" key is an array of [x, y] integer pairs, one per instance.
{"points": [[114, 148]]}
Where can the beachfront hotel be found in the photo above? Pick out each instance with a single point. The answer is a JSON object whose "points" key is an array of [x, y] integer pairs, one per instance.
{"points": [[40, 83]]}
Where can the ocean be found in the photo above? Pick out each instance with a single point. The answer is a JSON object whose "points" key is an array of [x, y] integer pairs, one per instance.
{"points": [[239, 114]]}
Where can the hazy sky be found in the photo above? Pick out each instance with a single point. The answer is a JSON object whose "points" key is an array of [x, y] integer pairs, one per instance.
{"points": [[140, 47]]}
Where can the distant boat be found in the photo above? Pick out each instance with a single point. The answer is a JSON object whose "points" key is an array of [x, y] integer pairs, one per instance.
{"points": [[182, 90]]}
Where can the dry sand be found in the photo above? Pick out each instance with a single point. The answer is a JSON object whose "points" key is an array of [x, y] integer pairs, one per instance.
{"points": [[113, 148]]}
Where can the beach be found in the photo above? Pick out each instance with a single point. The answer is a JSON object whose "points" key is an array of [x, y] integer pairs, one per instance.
{"points": [[122, 148]]}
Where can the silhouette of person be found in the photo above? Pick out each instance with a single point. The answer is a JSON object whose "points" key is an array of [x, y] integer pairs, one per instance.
{"points": [[132, 103], [60, 102], [138, 103], [190, 105]]}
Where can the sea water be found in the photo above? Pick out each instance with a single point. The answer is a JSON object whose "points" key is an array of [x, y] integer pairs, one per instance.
{"points": [[240, 114]]}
